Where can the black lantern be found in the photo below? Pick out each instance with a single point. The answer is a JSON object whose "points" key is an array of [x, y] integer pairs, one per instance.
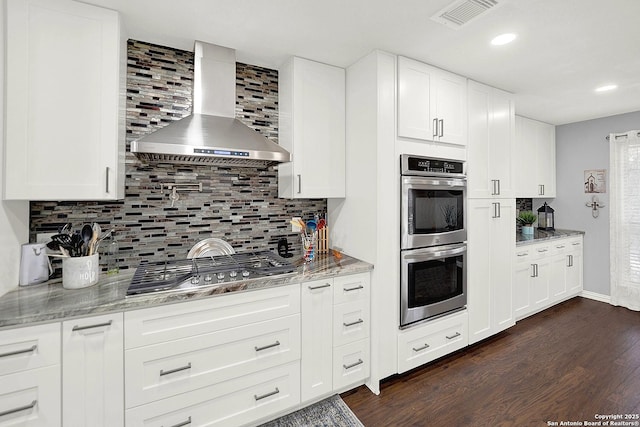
{"points": [[545, 217]]}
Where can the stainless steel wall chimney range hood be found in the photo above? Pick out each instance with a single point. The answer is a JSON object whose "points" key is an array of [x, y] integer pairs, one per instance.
{"points": [[211, 135]]}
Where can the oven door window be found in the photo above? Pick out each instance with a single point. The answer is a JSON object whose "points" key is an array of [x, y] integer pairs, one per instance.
{"points": [[433, 281], [435, 211]]}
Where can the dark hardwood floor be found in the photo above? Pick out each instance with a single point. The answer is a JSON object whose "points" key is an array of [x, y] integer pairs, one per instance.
{"points": [[568, 363]]}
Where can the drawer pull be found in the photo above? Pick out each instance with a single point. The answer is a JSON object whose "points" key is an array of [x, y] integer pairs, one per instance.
{"points": [[560, 247], [313, 288], [542, 250], [184, 423], [172, 371], [353, 289], [456, 335], [524, 254], [14, 353], [576, 243], [20, 409], [98, 325], [353, 365], [275, 344], [424, 347], [353, 323], [264, 396]]}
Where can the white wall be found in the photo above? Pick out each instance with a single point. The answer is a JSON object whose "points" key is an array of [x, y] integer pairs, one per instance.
{"points": [[581, 146], [14, 216]]}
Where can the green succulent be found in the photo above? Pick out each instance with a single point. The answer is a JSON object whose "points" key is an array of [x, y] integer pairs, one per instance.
{"points": [[526, 218]]}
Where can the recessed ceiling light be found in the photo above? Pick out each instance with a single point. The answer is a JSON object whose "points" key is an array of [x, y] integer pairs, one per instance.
{"points": [[606, 88], [503, 39]]}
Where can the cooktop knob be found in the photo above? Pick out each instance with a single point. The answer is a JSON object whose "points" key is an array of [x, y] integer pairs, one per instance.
{"points": [[233, 274], [207, 277], [195, 280], [221, 276], [245, 273]]}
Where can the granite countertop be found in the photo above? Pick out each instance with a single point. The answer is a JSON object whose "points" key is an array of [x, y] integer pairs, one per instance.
{"points": [[541, 235], [50, 301]]}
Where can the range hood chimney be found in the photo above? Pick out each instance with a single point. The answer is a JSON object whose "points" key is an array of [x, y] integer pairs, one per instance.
{"points": [[211, 135]]}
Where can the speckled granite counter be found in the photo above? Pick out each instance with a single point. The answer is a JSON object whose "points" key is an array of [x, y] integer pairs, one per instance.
{"points": [[50, 302], [541, 235]]}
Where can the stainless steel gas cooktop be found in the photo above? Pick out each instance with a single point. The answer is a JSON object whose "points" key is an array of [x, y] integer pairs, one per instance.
{"points": [[189, 273]]}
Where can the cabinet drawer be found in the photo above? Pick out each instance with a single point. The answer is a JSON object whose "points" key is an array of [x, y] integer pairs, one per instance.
{"points": [[29, 348], [424, 343], [351, 322], [351, 288], [32, 397], [230, 403], [163, 370], [351, 364], [171, 322]]}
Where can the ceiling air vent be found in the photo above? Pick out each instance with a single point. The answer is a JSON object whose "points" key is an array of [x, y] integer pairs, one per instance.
{"points": [[462, 12]]}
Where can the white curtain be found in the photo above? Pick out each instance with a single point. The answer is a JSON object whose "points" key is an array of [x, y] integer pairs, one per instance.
{"points": [[624, 167]]}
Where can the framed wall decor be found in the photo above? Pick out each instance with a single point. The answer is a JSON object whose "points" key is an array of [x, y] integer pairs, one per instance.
{"points": [[595, 181]]}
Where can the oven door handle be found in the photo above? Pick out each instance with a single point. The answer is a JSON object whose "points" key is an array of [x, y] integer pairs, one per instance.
{"points": [[429, 254], [424, 183]]}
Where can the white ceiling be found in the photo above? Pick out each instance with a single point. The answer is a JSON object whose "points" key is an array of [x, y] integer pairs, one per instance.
{"points": [[564, 49]]}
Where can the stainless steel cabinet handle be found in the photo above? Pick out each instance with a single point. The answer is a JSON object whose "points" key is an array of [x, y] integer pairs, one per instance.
{"points": [[275, 344], [456, 335], [498, 181], [435, 127], [172, 371], [424, 347], [542, 250], [14, 353], [523, 254], [569, 260], [496, 210], [576, 243], [107, 179], [541, 190], [264, 396], [353, 365], [560, 247], [313, 288], [97, 325], [184, 423], [353, 289], [534, 270], [299, 183], [20, 409], [353, 323], [441, 134]]}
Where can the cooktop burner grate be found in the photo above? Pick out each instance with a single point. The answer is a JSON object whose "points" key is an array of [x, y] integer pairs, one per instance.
{"points": [[188, 273]]}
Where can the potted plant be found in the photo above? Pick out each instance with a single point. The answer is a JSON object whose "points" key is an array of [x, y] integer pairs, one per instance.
{"points": [[526, 220]]}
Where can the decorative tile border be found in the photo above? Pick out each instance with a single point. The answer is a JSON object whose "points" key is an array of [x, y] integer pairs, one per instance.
{"points": [[239, 205]]}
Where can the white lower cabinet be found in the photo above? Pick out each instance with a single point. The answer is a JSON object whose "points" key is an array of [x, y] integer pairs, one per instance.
{"points": [[545, 274], [423, 343], [335, 330], [236, 402], [30, 376], [92, 365]]}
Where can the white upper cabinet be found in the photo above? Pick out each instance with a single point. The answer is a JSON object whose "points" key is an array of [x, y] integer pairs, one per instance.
{"points": [[65, 102], [311, 99], [535, 158], [491, 142], [432, 103]]}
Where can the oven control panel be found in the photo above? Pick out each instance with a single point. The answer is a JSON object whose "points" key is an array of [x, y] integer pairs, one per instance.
{"points": [[418, 165]]}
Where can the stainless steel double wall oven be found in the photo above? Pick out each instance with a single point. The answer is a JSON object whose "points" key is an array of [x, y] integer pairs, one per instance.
{"points": [[433, 238]]}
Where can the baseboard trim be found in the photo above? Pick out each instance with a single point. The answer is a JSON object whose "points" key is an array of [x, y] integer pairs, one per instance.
{"points": [[596, 296]]}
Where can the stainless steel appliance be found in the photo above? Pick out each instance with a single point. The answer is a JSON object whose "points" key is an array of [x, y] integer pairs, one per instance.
{"points": [[433, 238], [208, 271]]}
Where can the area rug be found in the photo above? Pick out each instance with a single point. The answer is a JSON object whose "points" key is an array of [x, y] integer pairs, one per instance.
{"points": [[330, 412]]}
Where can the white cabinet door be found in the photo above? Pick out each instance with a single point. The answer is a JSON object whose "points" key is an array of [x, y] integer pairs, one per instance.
{"points": [[574, 270], [491, 141], [432, 103], [31, 398], [535, 153], [312, 128], [64, 122], [522, 276], [92, 371], [491, 242], [317, 339], [540, 293]]}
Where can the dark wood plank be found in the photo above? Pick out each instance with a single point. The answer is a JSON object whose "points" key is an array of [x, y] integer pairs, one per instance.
{"points": [[567, 363]]}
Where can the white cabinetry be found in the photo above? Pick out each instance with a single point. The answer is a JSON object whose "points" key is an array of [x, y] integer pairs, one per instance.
{"points": [[535, 157], [491, 142], [432, 103], [335, 324], [30, 376], [421, 344], [491, 241], [92, 365], [229, 360], [545, 274], [312, 128], [64, 119]]}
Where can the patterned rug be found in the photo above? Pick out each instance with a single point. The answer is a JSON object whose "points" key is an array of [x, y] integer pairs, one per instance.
{"points": [[330, 412]]}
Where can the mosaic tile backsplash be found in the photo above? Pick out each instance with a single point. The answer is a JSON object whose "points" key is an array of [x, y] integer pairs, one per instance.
{"points": [[239, 205]]}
